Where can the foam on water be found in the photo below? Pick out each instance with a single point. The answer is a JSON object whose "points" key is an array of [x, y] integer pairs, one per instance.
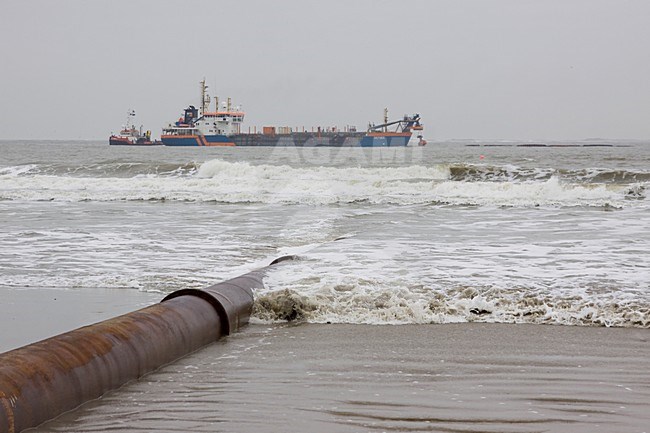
{"points": [[240, 182], [538, 266], [316, 293], [523, 235]]}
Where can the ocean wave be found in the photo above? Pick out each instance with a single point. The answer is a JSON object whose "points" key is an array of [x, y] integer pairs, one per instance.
{"points": [[378, 279], [18, 170], [352, 303], [240, 182], [486, 173], [106, 169], [603, 175], [511, 173]]}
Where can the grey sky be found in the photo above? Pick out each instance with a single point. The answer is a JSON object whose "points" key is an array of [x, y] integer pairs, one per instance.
{"points": [[512, 69]]}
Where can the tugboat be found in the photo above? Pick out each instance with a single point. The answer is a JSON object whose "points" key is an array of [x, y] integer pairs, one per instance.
{"points": [[130, 136]]}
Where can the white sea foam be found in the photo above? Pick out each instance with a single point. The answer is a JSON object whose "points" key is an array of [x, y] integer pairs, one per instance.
{"points": [[521, 235], [17, 170], [535, 267], [322, 295], [240, 182]]}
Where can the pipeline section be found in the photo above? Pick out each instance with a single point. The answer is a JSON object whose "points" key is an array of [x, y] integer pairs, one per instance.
{"points": [[42, 380]]}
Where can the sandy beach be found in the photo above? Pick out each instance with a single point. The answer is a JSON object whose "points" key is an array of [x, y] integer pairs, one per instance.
{"points": [[354, 378], [28, 315]]}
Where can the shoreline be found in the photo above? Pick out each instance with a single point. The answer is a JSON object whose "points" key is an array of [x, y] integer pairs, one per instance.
{"points": [[28, 315], [487, 377], [350, 378]]}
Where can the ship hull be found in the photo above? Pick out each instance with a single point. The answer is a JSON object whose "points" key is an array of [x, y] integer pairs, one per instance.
{"points": [[296, 139], [127, 141], [196, 140], [386, 139]]}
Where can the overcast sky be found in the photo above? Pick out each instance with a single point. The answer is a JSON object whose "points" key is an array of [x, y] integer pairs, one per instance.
{"points": [[509, 69]]}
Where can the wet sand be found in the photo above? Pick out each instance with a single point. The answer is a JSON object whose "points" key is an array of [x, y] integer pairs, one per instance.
{"points": [[28, 315], [356, 378]]}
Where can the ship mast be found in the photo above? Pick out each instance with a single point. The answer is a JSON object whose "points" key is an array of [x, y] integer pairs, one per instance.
{"points": [[205, 98], [130, 113], [385, 119]]}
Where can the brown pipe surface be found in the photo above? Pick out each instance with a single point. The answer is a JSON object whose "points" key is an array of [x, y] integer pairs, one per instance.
{"points": [[40, 381]]}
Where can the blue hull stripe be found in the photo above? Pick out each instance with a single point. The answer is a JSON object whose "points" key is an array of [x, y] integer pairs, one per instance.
{"points": [[388, 141], [195, 140], [206, 140]]}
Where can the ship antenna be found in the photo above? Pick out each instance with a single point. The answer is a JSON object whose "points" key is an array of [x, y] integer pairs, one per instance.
{"points": [[385, 119], [130, 113], [204, 100]]}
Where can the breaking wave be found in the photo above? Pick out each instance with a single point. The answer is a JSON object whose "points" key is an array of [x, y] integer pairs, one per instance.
{"points": [[366, 302], [486, 173], [106, 169], [241, 182]]}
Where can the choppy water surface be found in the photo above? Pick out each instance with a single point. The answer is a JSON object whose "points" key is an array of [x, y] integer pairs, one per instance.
{"points": [[453, 232]]}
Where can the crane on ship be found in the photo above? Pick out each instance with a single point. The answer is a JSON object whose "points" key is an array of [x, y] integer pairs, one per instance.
{"points": [[402, 125]]}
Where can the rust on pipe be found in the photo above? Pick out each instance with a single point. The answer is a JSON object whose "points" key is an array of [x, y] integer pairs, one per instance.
{"points": [[42, 380]]}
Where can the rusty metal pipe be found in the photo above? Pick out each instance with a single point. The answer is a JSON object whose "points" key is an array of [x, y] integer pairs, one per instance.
{"points": [[40, 381]]}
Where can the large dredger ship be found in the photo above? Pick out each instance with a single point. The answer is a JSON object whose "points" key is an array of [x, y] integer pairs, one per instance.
{"points": [[223, 127]]}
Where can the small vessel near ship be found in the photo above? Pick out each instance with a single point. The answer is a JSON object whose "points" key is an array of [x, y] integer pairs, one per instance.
{"points": [[130, 136], [223, 127]]}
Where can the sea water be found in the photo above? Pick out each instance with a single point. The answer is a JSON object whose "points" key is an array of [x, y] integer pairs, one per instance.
{"points": [[462, 231]]}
